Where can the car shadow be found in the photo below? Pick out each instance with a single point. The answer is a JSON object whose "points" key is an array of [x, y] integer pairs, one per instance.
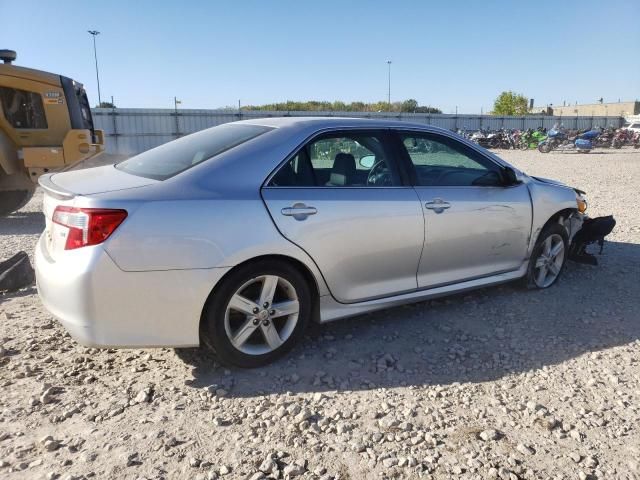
{"points": [[22, 223], [477, 336]]}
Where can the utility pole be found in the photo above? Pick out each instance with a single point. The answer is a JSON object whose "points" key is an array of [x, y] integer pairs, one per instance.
{"points": [[389, 85], [175, 110], [95, 33]]}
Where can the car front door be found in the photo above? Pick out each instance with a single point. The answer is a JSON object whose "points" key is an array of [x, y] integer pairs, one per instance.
{"points": [[476, 224], [341, 199]]}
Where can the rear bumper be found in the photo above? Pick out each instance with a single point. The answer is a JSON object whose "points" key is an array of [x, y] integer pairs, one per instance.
{"points": [[103, 306]]}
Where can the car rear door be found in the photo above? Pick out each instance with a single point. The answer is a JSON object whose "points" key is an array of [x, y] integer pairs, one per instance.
{"points": [[341, 199], [475, 224]]}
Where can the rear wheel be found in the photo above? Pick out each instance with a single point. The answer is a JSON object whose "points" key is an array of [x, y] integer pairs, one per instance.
{"points": [[13, 200], [548, 257], [257, 314]]}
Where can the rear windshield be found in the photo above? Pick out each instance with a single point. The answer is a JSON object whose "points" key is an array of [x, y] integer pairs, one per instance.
{"points": [[174, 157]]}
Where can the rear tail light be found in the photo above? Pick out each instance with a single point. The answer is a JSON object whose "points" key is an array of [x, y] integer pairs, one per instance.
{"points": [[87, 226]]}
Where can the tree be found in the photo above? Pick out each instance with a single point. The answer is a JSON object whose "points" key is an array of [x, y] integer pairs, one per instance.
{"points": [[428, 110], [510, 103], [106, 105], [409, 105]]}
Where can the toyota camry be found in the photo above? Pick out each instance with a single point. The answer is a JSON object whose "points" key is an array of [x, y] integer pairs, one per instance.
{"points": [[237, 237]]}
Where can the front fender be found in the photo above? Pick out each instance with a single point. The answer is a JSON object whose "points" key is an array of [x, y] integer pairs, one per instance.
{"points": [[547, 200]]}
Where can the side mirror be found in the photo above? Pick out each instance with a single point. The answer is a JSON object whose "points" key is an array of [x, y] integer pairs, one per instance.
{"points": [[510, 176], [367, 161]]}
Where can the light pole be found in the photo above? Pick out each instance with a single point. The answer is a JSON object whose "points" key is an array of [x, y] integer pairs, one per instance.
{"points": [[389, 84], [95, 33]]}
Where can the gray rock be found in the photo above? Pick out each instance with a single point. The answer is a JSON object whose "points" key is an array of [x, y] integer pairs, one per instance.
{"points": [[524, 449], [489, 435], [268, 466], [293, 470], [390, 462], [590, 462]]}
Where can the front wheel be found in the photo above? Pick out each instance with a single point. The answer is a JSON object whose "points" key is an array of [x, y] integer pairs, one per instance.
{"points": [[13, 200], [616, 143], [544, 147], [257, 314], [548, 257]]}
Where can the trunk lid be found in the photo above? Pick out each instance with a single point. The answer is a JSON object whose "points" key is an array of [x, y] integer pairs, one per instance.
{"points": [[90, 181]]}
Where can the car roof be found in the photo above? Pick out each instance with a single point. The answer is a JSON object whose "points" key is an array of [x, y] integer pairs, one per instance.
{"points": [[319, 123]]}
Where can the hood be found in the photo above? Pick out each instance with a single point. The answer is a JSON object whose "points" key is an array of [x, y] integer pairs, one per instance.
{"points": [[550, 181], [558, 184], [90, 181]]}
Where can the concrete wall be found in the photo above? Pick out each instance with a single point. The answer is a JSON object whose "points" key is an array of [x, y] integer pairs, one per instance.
{"points": [[622, 109]]}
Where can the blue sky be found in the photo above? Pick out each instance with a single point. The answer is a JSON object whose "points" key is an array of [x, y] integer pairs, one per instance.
{"points": [[446, 54]]}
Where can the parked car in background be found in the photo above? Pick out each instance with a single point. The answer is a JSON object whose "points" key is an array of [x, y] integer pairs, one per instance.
{"points": [[239, 236], [634, 127]]}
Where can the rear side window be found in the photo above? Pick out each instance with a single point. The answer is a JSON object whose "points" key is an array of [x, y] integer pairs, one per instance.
{"points": [[174, 157], [23, 109]]}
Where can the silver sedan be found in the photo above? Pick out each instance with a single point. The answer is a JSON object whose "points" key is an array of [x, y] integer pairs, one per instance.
{"points": [[241, 235]]}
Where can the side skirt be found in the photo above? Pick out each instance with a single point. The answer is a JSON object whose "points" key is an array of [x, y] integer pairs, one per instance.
{"points": [[331, 310]]}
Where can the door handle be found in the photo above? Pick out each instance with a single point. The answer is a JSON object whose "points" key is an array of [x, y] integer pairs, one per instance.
{"points": [[299, 211], [437, 205]]}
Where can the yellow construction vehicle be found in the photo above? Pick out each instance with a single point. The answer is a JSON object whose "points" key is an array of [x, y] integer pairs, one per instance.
{"points": [[45, 124]]}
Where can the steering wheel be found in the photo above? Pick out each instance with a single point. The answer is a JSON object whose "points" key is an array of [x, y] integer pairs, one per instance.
{"points": [[376, 176]]}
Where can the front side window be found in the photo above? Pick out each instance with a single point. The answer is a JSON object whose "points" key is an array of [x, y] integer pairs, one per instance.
{"points": [[340, 160], [174, 157], [23, 109], [442, 161]]}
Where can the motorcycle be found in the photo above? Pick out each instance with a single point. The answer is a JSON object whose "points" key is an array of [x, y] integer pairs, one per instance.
{"points": [[605, 139], [530, 139], [622, 137], [558, 139]]}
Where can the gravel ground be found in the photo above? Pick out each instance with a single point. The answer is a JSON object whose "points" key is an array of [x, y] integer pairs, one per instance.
{"points": [[498, 383]]}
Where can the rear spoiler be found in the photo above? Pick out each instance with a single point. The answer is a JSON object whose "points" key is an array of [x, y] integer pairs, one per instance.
{"points": [[52, 189]]}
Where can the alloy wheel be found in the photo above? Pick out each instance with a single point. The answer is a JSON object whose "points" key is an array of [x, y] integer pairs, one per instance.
{"points": [[549, 262], [262, 314]]}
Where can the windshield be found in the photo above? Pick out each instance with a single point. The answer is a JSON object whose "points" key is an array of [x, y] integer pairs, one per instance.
{"points": [[174, 157]]}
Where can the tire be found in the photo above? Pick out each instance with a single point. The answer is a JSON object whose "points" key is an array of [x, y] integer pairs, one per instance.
{"points": [[617, 144], [239, 334], [544, 148], [558, 235], [13, 200]]}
